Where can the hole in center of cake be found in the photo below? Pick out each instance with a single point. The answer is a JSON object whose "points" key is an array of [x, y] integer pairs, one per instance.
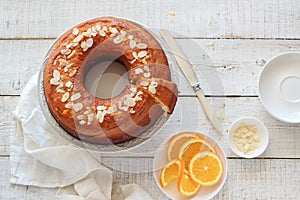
{"points": [[106, 78]]}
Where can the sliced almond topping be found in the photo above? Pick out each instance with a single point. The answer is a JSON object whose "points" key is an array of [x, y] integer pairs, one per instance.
{"points": [[146, 68], [84, 46], [75, 31], [77, 107], [113, 30], [72, 73], [62, 62], [118, 39], [82, 122], [132, 111], [56, 74], [68, 46], [72, 53], [133, 89], [80, 117], [67, 67], [65, 51], [61, 91], [68, 84], [78, 39], [54, 81], [104, 28], [75, 96], [135, 55], [130, 37], [152, 87], [98, 27], [144, 61], [144, 83], [88, 33], [142, 46], [138, 71], [132, 61], [89, 42], [90, 117], [123, 33], [65, 97], [142, 54], [101, 107], [147, 75], [75, 44], [102, 33], [69, 105], [132, 44]]}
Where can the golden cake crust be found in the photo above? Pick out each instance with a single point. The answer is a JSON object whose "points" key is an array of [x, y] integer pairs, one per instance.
{"points": [[105, 121]]}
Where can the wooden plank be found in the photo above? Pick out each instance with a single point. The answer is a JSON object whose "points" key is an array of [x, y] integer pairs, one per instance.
{"points": [[247, 179], [219, 18], [229, 62], [188, 116]]}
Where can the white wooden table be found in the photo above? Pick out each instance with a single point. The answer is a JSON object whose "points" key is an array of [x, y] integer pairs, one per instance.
{"points": [[239, 36]]}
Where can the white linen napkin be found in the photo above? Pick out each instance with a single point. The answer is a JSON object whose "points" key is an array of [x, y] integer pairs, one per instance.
{"points": [[39, 157]]}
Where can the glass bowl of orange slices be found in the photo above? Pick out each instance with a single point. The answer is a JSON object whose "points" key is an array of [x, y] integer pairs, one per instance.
{"points": [[190, 165]]}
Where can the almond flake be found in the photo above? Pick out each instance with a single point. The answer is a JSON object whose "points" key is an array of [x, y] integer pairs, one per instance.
{"points": [[90, 117], [123, 33], [132, 44], [144, 83], [65, 51], [138, 71], [78, 39], [144, 61], [65, 97], [69, 105], [130, 37], [72, 73], [102, 33], [75, 44], [104, 28], [75, 96], [80, 117], [152, 87], [62, 62], [61, 91], [89, 42], [147, 75], [54, 81], [101, 107], [56, 74], [113, 30], [82, 122], [83, 45], [142, 46], [133, 89], [98, 27], [146, 68], [77, 107], [68, 46], [118, 39], [68, 84], [135, 55], [67, 67], [72, 53], [132, 111], [88, 33], [75, 31], [142, 54], [132, 61]]}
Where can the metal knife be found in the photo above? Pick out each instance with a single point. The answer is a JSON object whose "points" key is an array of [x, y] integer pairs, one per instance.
{"points": [[189, 74]]}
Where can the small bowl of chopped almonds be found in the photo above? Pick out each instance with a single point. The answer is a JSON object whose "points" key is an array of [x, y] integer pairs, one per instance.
{"points": [[248, 137]]}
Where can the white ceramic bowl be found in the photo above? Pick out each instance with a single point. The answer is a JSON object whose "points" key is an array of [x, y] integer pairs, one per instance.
{"points": [[279, 84], [171, 191], [261, 131]]}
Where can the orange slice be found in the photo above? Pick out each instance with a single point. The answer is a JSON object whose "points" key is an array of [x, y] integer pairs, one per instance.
{"points": [[170, 172], [192, 147], [206, 168], [186, 186], [176, 142]]}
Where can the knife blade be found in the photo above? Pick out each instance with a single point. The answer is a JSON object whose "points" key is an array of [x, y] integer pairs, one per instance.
{"points": [[189, 74]]}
